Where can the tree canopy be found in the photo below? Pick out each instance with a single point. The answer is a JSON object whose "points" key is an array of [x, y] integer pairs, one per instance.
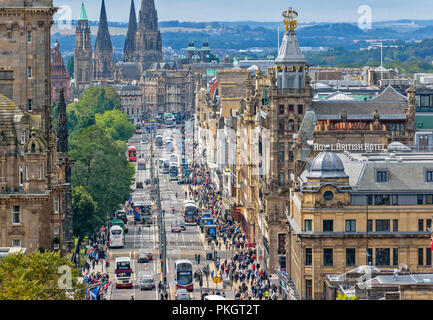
{"points": [[85, 212], [101, 175], [101, 167], [36, 276], [117, 124]]}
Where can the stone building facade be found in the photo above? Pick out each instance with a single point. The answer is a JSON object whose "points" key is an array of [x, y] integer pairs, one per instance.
{"points": [[83, 56], [33, 187], [355, 209]]}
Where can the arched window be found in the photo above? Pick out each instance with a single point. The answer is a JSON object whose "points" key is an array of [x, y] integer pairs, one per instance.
{"points": [[291, 125]]}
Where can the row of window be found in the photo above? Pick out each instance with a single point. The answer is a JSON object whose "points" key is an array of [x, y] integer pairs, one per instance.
{"points": [[382, 257], [382, 225], [291, 108], [16, 210], [392, 199], [290, 126], [382, 176], [133, 110]]}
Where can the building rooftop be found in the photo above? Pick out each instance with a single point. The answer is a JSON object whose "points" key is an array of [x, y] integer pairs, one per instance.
{"points": [[405, 171]]}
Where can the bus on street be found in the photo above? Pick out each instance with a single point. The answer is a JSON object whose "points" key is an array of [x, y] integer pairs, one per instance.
{"points": [[174, 171], [158, 140], [141, 165], [116, 237], [183, 275], [132, 154], [123, 271], [191, 212]]}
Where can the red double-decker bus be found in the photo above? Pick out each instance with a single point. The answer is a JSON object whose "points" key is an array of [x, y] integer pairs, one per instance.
{"points": [[183, 275], [132, 154]]}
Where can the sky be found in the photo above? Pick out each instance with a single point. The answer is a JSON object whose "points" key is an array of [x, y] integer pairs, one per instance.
{"points": [[255, 10]]}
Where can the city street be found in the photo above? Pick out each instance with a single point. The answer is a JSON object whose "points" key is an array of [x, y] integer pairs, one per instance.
{"points": [[183, 245]]}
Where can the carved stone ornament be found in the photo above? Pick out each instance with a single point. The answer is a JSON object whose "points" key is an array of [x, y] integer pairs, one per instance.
{"points": [[35, 144]]}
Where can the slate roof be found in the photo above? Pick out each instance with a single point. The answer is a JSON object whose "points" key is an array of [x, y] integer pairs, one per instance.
{"points": [[408, 175], [129, 70], [389, 94]]}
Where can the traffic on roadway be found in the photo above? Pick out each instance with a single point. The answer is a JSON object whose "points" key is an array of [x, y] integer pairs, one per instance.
{"points": [[206, 254]]}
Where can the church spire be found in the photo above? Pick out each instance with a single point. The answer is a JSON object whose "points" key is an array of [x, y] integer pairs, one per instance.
{"points": [[83, 14], [103, 68], [62, 131], [148, 45], [129, 49]]}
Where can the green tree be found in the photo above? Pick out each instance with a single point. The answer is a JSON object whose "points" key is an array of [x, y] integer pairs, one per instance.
{"points": [[101, 167], [98, 100], [70, 66], [84, 210], [36, 277], [117, 124], [345, 297]]}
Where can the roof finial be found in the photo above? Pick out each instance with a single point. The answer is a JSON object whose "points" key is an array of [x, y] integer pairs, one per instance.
{"points": [[290, 21]]}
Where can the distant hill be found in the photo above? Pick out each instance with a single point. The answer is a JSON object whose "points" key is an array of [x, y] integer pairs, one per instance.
{"points": [[250, 34]]}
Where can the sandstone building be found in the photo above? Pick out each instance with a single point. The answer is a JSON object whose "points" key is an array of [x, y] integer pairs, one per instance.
{"points": [[354, 209], [33, 184]]}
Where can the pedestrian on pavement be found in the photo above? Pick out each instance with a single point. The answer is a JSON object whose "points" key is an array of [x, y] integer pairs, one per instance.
{"points": [[132, 298], [198, 258], [165, 294]]}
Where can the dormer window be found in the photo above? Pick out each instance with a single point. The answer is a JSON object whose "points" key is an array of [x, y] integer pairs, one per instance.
{"points": [[381, 176]]}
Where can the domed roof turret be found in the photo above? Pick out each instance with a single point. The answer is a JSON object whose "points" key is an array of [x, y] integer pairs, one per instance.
{"points": [[327, 164]]}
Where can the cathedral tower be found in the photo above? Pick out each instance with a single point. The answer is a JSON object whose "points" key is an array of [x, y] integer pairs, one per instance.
{"points": [[148, 42], [83, 64], [129, 50], [103, 59]]}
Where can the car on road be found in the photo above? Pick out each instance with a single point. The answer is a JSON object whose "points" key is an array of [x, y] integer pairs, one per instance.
{"points": [[144, 256], [184, 181], [181, 224], [175, 227], [182, 294], [147, 282], [139, 185]]}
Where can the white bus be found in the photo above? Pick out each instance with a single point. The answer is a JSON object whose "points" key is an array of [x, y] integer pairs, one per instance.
{"points": [[116, 237], [158, 140], [123, 271], [174, 171]]}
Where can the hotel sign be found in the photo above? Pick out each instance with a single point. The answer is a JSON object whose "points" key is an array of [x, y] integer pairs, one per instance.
{"points": [[350, 147]]}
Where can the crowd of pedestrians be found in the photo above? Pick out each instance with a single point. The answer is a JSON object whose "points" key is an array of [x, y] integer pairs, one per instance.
{"points": [[98, 282], [243, 270]]}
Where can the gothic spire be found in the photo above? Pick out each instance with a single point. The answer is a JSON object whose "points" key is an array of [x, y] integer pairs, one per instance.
{"points": [[103, 39], [103, 62], [62, 131], [130, 37], [83, 14], [148, 16]]}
